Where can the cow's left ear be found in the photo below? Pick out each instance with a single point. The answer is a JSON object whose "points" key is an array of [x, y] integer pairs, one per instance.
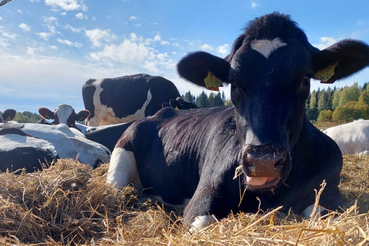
{"points": [[204, 69], [46, 113], [9, 114], [82, 115], [340, 60]]}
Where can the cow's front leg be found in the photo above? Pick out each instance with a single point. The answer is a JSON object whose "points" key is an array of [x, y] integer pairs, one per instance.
{"points": [[123, 168], [199, 212]]}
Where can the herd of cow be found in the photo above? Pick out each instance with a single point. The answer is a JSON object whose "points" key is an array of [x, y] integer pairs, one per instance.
{"points": [[195, 157]]}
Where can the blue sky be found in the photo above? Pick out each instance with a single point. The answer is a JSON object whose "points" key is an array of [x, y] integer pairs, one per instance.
{"points": [[49, 48]]}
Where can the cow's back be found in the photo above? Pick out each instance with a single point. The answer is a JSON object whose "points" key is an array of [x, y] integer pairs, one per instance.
{"points": [[352, 138], [125, 99]]}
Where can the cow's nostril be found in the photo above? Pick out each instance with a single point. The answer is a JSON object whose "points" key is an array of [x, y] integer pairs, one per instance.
{"points": [[264, 161]]}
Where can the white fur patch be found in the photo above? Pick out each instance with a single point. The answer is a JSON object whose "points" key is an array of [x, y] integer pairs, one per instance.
{"points": [[9, 142], [63, 111], [69, 143], [104, 115], [266, 47], [201, 222], [122, 168], [307, 211]]}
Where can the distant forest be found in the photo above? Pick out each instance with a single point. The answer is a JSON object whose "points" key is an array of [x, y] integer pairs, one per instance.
{"points": [[337, 105]]}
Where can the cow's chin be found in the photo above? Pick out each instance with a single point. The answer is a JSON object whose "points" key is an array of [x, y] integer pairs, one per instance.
{"points": [[262, 183]]}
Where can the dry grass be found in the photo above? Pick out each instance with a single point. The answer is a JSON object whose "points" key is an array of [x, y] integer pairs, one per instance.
{"points": [[70, 204]]}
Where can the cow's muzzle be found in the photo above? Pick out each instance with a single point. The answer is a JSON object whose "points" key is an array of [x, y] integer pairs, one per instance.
{"points": [[265, 165]]}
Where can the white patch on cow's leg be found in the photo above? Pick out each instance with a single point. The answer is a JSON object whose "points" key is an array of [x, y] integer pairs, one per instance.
{"points": [[307, 211], [266, 47], [122, 168], [201, 222]]}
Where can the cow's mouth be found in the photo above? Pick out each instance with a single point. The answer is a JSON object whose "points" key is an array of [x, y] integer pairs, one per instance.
{"points": [[259, 183]]}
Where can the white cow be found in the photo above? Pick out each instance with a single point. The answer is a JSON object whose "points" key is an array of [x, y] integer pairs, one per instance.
{"points": [[352, 138], [40, 141]]}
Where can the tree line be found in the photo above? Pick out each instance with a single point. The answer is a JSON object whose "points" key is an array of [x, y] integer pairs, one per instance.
{"points": [[205, 101], [27, 117], [339, 105]]}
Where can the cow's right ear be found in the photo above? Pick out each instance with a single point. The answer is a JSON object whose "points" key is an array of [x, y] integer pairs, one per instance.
{"points": [[9, 114], [46, 113], [204, 69]]}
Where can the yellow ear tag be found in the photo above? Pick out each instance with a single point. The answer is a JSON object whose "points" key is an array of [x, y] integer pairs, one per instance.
{"points": [[176, 108], [212, 82], [326, 73]]}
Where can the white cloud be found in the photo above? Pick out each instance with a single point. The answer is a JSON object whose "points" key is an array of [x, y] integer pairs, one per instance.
{"points": [[53, 47], [174, 53], [63, 13], [255, 5], [325, 42], [70, 43], [135, 52], [19, 11], [133, 18], [164, 42], [8, 35], [157, 37], [30, 51], [44, 35], [25, 27], [133, 37], [98, 35], [33, 1], [207, 47], [81, 16], [73, 29], [1, 18], [137, 25], [51, 23], [222, 49], [66, 5]]}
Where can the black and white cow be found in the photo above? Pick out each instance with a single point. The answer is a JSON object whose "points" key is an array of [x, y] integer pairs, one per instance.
{"points": [[27, 145], [194, 154], [7, 115], [125, 99], [64, 113]]}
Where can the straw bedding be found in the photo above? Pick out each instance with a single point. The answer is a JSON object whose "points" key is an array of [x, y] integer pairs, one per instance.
{"points": [[70, 204]]}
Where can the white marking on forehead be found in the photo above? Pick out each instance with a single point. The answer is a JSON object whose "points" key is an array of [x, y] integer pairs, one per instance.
{"points": [[266, 47], [63, 111]]}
